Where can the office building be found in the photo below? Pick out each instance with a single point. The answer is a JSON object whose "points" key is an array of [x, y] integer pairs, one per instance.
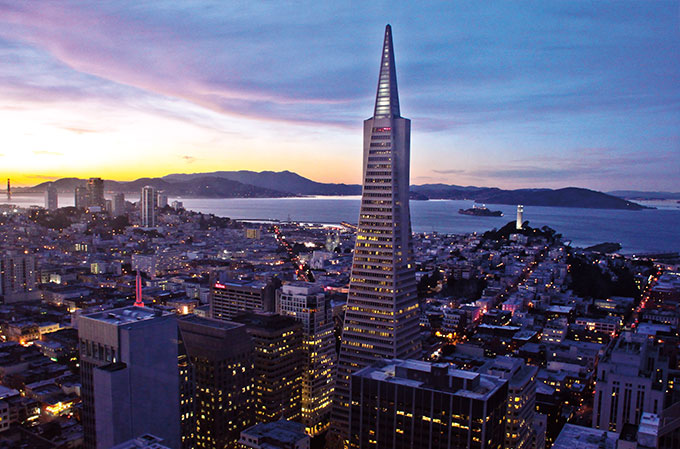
{"points": [[80, 199], [221, 370], [95, 193], [51, 197], [130, 376], [309, 305], [161, 200], [148, 207], [521, 410], [118, 205], [17, 277], [631, 379], [382, 316], [520, 217], [232, 297], [275, 435], [414, 404], [278, 359]]}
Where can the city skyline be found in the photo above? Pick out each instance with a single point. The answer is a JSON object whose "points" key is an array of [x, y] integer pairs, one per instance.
{"points": [[565, 94]]}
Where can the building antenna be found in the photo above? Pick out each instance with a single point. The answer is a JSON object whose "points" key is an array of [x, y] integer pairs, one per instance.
{"points": [[138, 291]]}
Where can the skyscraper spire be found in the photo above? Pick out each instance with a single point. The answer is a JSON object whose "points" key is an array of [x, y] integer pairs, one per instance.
{"points": [[387, 98]]}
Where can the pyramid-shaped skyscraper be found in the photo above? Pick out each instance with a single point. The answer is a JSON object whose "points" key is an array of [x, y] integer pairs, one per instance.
{"points": [[382, 316]]}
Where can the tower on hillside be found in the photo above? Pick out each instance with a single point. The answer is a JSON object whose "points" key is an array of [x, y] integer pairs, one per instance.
{"points": [[381, 319], [520, 217]]}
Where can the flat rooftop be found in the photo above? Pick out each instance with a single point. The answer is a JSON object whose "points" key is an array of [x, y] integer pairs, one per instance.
{"points": [[125, 315], [480, 386], [286, 432], [215, 324], [573, 436]]}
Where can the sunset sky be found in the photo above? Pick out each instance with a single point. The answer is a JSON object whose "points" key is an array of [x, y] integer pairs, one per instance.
{"points": [[507, 94]]}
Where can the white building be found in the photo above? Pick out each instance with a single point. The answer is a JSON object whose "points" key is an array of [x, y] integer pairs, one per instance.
{"points": [[520, 217]]}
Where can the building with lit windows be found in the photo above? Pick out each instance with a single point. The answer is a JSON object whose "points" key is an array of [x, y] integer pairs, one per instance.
{"points": [[51, 197], [382, 316], [232, 297], [631, 379], [95, 193], [148, 207], [309, 305], [17, 277], [80, 197], [221, 371], [278, 360], [519, 426], [414, 404], [129, 375]]}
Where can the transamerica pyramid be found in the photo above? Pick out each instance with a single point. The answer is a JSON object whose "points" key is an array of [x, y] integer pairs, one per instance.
{"points": [[382, 317]]}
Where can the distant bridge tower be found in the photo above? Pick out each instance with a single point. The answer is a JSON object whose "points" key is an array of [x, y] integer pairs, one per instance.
{"points": [[520, 217], [9, 190]]}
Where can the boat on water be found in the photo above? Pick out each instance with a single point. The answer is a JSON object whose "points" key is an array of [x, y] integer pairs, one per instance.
{"points": [[480, 211]]}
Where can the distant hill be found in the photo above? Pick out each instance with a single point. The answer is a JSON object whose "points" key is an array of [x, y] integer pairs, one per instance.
{"points": [[567, 197], [639, 195], [284, 180], [201, 187], [268, 184]]}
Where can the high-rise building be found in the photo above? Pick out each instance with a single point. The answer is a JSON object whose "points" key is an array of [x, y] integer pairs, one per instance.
{"points": [[51, 197], [220, 356], [382, 317], [148, 207], [520, 217], [161, 200], [17, 277], [521, 411], [80, 197], [308, 304], [95, 193], [130, 376], [118, 205], [631, 379], [414, 404], [278, 359], [232, 297]]}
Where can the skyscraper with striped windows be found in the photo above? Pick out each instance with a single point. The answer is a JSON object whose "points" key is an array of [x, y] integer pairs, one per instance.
{"points": [[381, 319]]}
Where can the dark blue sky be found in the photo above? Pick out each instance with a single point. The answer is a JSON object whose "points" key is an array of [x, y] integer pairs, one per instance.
{"points": [[511, 94]]}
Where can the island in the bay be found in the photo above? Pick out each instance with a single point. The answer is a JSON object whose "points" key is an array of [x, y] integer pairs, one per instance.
{"points": [[480, 211]]}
